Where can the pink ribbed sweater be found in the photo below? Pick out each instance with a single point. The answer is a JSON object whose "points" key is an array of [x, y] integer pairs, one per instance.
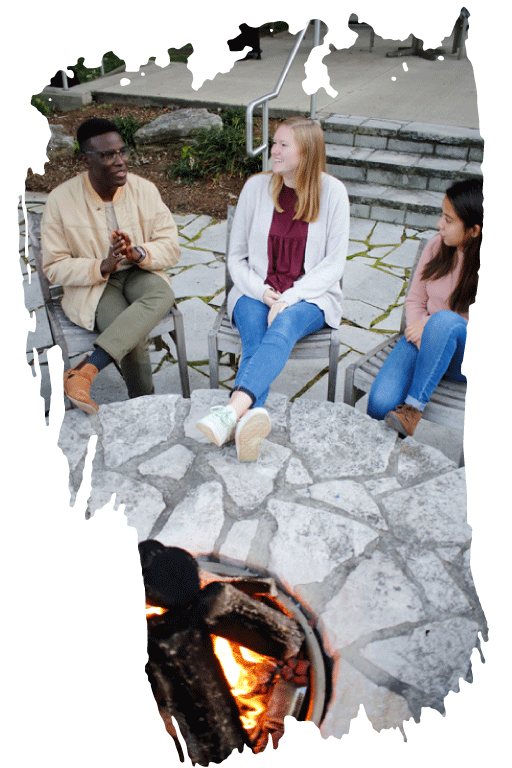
{"points": [[426, 297]]}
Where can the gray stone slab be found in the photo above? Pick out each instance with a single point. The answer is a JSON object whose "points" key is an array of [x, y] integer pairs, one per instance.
{"points": [[432, 659], [32, 293], [440, 589], [182, 221], [75, 433], [355, 247], [196, 522], [333, 440], [297, 374], [434, 511], [41, 337], [194, 227], [237, 544], [200, 280], [296, 473], [191, 256], [391, 323], [249, 484], [375, 596], [360, 229], [403, 255], [383, 708], [349, 496], [384, 234], [198, 318], [371, 285], [416, 460], [334, 540], [359, 339], [135, 426], [142, 503], [213, 238], [172, 463]]}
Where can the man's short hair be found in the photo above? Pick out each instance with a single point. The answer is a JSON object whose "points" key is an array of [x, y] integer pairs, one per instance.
{"points": [[95, 126]]}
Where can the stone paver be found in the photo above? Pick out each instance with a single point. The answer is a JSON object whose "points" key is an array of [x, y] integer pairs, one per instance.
{"points": [[367, 530]]}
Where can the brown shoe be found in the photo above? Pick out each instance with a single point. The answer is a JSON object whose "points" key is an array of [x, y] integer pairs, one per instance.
{"points": [[404, 419], [77, 384]]}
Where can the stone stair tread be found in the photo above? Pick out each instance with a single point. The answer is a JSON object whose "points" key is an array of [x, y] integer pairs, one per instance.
{"points": [[417, 131], [423, 164], [414, 199]]}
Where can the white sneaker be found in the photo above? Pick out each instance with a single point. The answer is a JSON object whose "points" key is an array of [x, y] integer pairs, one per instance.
{"points": [[219, 425], [250, 431]]}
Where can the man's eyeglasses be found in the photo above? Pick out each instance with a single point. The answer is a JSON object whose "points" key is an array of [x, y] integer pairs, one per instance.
{"points": [[109, 157]]}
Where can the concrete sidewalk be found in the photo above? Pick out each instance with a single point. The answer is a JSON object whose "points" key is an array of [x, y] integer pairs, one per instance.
{"points": [[368, 83]]}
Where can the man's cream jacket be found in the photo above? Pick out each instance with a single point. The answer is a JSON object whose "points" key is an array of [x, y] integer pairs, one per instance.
{"points": [[75, 239]]}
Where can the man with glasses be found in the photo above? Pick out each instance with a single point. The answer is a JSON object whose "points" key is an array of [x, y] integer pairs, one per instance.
{"points": [[108, 238]]}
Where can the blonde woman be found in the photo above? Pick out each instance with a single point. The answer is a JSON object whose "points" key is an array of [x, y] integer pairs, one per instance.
{"points": [[287, 253]]}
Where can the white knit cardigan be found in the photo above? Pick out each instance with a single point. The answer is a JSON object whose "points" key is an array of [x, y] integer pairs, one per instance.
{"points": [[325, 255]]}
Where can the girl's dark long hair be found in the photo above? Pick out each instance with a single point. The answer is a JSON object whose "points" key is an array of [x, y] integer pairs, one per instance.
{"points": [[467, 200]]}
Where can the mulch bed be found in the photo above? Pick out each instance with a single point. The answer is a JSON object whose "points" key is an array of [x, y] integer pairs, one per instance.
{"points": [[207, 196]]}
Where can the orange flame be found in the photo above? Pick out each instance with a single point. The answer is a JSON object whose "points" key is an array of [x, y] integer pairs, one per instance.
{"points": [[245, 671], [154, 610]]}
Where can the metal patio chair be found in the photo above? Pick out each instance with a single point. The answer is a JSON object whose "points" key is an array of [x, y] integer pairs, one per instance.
{"points": [[222, 337], [447, 404], [74, 340]]}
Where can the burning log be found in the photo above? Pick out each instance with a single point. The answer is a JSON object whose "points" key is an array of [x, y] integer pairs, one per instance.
{"points": [[189, 682], [242, 619], [185, 675]]}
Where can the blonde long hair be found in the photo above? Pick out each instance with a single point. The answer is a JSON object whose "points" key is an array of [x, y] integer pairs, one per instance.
{"points": [[310, 138]]}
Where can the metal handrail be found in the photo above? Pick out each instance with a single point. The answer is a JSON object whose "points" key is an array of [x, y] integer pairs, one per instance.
{"points": [[264, 100]]}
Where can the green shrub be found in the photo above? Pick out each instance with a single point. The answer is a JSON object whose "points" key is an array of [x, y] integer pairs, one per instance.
{"points": [[86, 74], [42, 106], [127, 127], [180, 54], [215, 151]]}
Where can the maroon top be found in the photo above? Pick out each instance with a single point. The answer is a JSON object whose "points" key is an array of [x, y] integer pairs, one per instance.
{"points": [[286, 244]]}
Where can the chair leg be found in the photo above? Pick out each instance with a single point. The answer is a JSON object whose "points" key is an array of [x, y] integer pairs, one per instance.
{"points": [[349, 394], [333, 368], [181, 353], [213, 357]]}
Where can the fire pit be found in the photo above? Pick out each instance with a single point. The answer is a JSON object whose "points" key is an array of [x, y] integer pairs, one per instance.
{"points": [[230, 654]]}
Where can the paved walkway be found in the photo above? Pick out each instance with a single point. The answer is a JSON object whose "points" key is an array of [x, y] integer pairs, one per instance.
{"points": [[367, 83]]}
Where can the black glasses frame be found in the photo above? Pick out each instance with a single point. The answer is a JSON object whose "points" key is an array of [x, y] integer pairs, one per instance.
{"points": [[109, 156]]}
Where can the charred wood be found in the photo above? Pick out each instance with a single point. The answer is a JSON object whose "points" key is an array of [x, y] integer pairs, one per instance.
{"points": [[189, 684], [232, 614]]}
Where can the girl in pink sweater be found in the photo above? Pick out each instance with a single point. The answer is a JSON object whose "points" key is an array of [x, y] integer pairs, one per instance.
{"points": [[443, 287]]}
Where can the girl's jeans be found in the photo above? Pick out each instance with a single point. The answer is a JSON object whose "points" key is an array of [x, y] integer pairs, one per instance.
{"points": [[410, 374], [266, 350]]}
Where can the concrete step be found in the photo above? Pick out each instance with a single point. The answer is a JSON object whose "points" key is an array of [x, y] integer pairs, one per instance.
{"points": [[415, 208], [408, 137], [398, 169]]}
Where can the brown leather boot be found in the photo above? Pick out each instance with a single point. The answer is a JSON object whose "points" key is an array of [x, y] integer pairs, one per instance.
{"points": [[77, 385], [404, 419]]}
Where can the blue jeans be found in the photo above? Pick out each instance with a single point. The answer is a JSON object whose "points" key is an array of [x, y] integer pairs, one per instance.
{"points": [[410, 375], [265, 350]]}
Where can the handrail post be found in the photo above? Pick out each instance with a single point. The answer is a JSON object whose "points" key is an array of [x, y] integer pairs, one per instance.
{"points": [[316, 42], [263, 148]]}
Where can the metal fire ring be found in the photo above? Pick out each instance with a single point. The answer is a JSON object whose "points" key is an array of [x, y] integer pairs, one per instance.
{"points": [[317, 680]]}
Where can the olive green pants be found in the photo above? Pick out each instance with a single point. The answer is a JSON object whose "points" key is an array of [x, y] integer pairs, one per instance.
{"points": [[132, 304]]}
